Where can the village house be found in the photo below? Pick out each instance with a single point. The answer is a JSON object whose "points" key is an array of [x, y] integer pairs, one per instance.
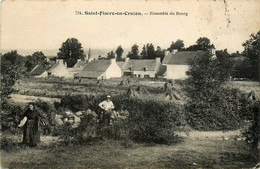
{"points": [[140, 68], [176, 62], [100, 69], [59, 69]]}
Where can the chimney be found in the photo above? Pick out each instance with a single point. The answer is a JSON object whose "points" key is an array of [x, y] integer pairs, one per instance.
{"points": [[126, 59], [174, 51], [212, 52], [113, 60], [158, 60], [60, 61]]}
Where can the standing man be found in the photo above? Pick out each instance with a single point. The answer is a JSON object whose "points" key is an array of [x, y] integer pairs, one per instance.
{"points": [[107, 105]]}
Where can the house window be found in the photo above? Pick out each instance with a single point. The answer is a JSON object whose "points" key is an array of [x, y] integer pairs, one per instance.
{"points": [[146, 76], [130, 68], [139, 75], [144, 69]]}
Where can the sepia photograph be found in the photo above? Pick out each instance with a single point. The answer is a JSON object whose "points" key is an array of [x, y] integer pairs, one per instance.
{"points": [[130, 84]]}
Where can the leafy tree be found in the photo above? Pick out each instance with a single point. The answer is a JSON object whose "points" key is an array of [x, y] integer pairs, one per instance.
{"points": [[159, 53], [12, 68], [210, 105], [148, 51], [134, 53], [252, 54], [70, 51], [111, 55], [204, 43], [119, 53], [35, 59], [225, 60], [176, 45]]}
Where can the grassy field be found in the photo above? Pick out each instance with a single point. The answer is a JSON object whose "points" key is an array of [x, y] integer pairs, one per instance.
{"points": [[198, 150]]}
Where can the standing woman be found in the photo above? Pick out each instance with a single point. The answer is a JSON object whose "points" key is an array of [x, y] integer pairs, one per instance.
{"points": [[31, 135]]}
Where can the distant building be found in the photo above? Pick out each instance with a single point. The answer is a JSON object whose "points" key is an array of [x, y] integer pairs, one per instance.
{"points": [[176, 62], [79, 66], [59, 69], [100, 69], [140, 67]]}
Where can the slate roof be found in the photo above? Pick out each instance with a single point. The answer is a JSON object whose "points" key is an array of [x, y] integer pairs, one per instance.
{"points": [[80, 64], [52, 67], [139, 65], [120, 64], [37, 70], [95, 68], [182, 57]]}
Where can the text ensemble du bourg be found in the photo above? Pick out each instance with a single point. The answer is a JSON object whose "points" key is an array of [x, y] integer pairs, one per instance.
{"points": [[129, 13]]}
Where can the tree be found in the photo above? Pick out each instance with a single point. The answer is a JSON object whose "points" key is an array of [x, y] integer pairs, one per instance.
{"points": [[134, 53], [225, 61], [35, 59], [12, 68], [119, 53], [211, 105], [159, 53], [70, 51], [252, 54], [204, 43], [111, 55], [176, 45]]}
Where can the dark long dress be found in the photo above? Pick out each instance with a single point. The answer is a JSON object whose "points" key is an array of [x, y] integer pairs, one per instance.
{"points": [[31, 135]]}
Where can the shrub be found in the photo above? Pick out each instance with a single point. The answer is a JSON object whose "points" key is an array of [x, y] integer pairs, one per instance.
{"points": [[211, 106], [220, 110], [148, 121], [252, 133], [10, 116]]}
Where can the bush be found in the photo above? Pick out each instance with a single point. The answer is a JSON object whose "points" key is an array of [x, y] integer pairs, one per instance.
{"points": [[211, 106], [148, 121], [223, 109], [252, 133], [10, 116]]}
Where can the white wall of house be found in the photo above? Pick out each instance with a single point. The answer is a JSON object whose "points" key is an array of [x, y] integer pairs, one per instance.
{"points": [[61, 70], [113, 71], [142, 74], [176, 71]]}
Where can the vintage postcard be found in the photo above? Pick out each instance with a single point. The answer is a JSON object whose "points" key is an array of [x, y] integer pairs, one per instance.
{"points": [[130, 84]]}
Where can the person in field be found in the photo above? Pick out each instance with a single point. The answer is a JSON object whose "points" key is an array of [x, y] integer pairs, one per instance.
{"points": [[30, 124], [107, 106]]}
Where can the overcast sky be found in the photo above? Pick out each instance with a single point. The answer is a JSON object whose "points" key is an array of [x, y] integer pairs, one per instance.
{"points": [[46, 24]]}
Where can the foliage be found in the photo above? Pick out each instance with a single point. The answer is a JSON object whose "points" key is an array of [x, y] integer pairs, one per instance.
{"points": [[48, 113], [216, 109], [203, 43], [211, 106], [70, 51], [10, 116], [150, 121], [252, 133], [251, 51], [111, 55], [225, 61], [119, 53], [179, 45], [134, 53], [35, 59], [12, 68]]}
